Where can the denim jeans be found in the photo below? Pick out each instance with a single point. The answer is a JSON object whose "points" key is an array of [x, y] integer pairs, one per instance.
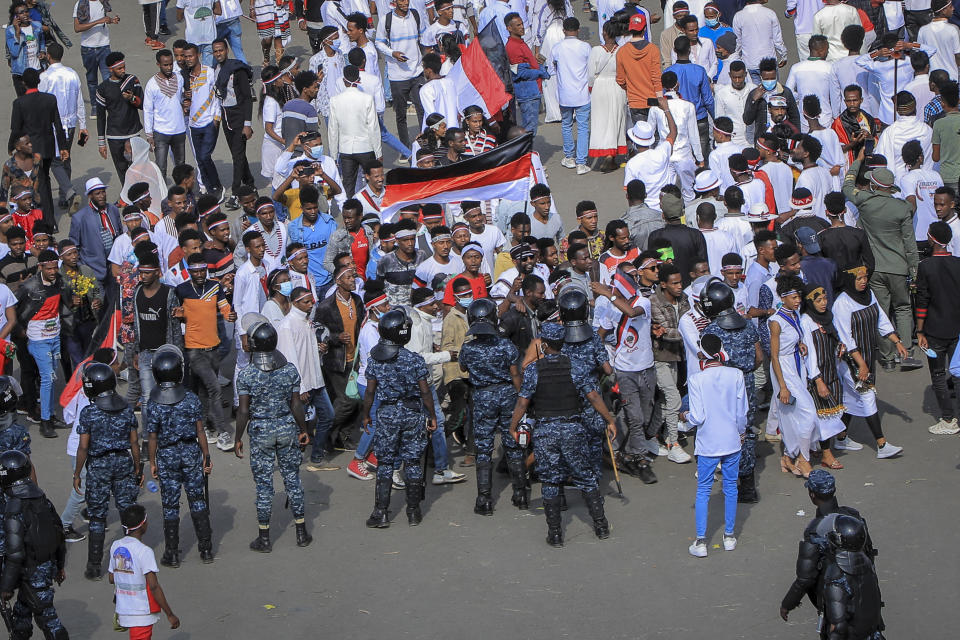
{"points": [[206, 54], [46, 353], [94, 59], [944, 348], [230, 30], [706, 465], [74, 500], [528, 113], [366, 437], [392, 140], [324, 408], [147, 381], [204, 140], [77, 344], [163, 13], [165, 144], [63, 170], [582, 115]]}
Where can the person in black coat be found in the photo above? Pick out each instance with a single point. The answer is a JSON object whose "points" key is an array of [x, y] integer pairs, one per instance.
{"points": [[689, 245], [235, 90], [35, 114]]}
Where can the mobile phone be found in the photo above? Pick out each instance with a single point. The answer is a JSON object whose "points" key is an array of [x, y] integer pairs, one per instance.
{"points": [[83, 139], [652, 102]]}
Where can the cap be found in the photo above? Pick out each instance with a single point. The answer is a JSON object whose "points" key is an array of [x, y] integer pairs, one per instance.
{"points": [[638, 22], [706, 181], [801, 198], [552, 331], [94, 184], [883, 178], [641, 133], [821, 482], [728, 40], [808, 238], [671, 205], [520, 252]]}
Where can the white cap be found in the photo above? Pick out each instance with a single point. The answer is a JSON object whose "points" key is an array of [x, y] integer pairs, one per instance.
{"points": [[641, 133], [759, 212], [706, 181], [93, 184]]}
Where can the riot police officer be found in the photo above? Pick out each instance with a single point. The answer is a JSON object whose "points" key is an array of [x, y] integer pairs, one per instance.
{"points": [[178, 453], [13, 435], [851, 591], [110, 450], [397, 379], [36, 550], [269, 400], [550, 393], [741, 342], [582, 343], [493, 364]]}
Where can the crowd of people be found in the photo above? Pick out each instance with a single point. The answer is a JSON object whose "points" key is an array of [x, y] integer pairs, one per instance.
{"points": [[788, 231]]}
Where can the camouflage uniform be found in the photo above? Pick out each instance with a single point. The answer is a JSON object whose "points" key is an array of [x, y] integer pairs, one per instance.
{"points": [[592, 355], [109, 463], [739, 347], [273, 435], [401, 434], [488, 361], [179, 457], [560, 443], [12, 437], [39, 605]]}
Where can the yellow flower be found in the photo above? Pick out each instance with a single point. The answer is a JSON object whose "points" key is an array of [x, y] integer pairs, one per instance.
{"points": [[83, 285]]}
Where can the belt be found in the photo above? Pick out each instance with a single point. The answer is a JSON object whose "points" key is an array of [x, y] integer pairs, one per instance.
{"points": [[111, 452], [192, 440], [202, 348]]}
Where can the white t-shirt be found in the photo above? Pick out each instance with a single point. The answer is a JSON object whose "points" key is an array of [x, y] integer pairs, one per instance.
{"points": [[97, 36], [634, 350], [201, 26], [651, 168], [921, 183], [7, 300], [130, 561], [272, 113], [490, 240], [71, 415]]}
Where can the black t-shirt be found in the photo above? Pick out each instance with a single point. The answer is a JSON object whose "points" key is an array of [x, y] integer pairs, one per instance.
{"points": [[152, 314]]}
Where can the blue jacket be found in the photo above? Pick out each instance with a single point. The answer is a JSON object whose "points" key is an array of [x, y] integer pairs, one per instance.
{"points": [[85, 232], [525, 82], [17, 49], [694, 86], [316, 239]]}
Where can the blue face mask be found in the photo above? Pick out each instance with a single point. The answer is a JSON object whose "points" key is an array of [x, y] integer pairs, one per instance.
{"points": [[316, 152], [286, 288], [712, 22], [335, 44], [465, 301], [769, 85]]}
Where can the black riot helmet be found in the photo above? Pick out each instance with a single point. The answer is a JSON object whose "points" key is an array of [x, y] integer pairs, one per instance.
{"points": [[394, 327], [575, 315], [848, 534], [167, 367], [717, 300], [9, 394], [482, 317], [14, 468], [263, 338], [262, 341], [100, 385]]}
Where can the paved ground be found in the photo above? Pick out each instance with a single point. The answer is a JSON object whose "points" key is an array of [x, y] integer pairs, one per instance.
{"points": [[463, 576]]}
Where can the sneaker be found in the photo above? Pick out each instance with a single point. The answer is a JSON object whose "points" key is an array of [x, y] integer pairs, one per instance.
{"points": [[85, 516], [372, 461], [678, 455], [699, 548], [888, 451], [211, 436], [232, 203], [164, 30], [910, 363], [847, 444], [729, 542], [661, 450], [945, 428], [569, 163], [225, 442], [448, 476], [72, 536], [398, 482], [776, 437], [403, 160], [359, 471], [582, 169]]}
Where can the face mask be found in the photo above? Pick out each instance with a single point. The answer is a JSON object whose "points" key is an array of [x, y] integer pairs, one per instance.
{"points": [[334, 44], [316, 152], [769, 85], [286, 288], [712, 22], [465, 301]]}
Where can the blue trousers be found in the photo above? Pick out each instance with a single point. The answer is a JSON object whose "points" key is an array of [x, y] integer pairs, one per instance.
{"points": [[528, 113], [230, 30], [204, 140], [706, 465], [582, 116]]}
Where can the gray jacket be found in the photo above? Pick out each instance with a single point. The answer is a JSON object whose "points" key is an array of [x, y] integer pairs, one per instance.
{"points": [[641, 222], [174, 332], [340, 242]]}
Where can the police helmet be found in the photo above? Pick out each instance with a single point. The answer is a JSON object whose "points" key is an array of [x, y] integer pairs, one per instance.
{"points": [[10, 393], [261, 336], [14, 468], [482, 317], [394, 327], [100, 385], [575, 315], [848, 533], [167, 367]]}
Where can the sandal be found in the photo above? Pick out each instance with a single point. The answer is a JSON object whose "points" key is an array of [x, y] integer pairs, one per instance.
{"points": [[786, 465], [836, 464]]}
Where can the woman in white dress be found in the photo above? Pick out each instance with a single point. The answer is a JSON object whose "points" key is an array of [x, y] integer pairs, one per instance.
{"points": [[859, 321], [271, 113], [608, 102], [547, 21], [795, 408], [278, 304], [825, 347]]}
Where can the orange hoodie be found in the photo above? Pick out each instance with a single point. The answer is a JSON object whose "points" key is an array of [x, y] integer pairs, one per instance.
{"points": [[638, 72]]}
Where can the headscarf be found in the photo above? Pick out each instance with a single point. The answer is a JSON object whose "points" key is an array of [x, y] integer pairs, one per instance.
{"points": [[825, 319], [849, 286]]}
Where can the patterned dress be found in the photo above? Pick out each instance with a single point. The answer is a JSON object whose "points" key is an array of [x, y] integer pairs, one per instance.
{"points": [[859, 327], [822, 361], [273, 19]]}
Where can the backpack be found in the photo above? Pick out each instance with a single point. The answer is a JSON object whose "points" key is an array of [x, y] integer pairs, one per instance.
{"points": [[388, 22], [43, 530]]}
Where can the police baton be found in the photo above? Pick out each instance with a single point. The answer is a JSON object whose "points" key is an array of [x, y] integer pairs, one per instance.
{"points": [[206, 482], [423, 483], [7, 618], [613, 461]]}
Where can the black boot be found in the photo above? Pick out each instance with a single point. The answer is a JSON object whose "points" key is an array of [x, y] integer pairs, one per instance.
{"points": [[380, 518], [46, 429], [95, 554], [261, 543], [303, 538], [551, 507], [414, 493], [484, 506], [747, 492], [201, 524], [595, 505], [171, 541], [563, 498], [518, 475]]}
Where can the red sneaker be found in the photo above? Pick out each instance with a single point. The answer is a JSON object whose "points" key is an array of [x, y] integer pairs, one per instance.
{"points": [[372, 461], [358, 470]]}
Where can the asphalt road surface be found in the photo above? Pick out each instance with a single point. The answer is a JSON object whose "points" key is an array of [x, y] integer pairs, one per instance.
{"points": [[463, 576]]}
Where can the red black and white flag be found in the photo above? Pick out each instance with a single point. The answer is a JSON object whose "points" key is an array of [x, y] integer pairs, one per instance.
{"points": [[104, 336], [477, 81], [503, 172]]}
